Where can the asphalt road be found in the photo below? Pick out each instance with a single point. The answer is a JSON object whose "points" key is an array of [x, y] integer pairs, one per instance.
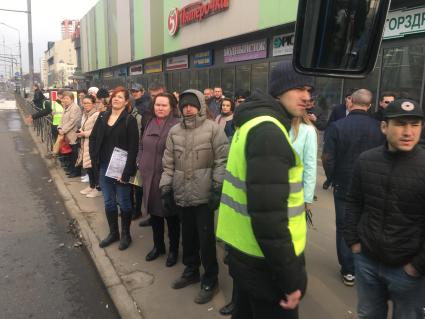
{"points": [[42, 274]]}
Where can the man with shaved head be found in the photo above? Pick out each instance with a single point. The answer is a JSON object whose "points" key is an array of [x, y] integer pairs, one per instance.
{"points": [[345, 139]]}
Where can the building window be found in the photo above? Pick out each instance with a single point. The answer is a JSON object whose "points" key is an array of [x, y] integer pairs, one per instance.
{"points": [[403, 69], [184, 81], [260, 73], [370, 82], [327, 93], [176, 82], [243, 76], [203, 79], [228, 81], [215, 77], [193, 84]]}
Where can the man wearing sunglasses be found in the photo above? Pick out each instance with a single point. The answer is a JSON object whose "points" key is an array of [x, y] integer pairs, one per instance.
{"points": [[386, 98]]}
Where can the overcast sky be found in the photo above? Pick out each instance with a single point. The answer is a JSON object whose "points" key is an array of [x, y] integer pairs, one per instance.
{"points": [[46, 25]]}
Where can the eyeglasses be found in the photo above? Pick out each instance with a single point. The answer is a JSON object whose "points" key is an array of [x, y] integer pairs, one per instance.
{"points": [[387, 102]]}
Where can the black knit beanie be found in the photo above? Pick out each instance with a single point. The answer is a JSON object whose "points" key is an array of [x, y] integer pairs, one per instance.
{"points": [[189, 98], [283, 78]]}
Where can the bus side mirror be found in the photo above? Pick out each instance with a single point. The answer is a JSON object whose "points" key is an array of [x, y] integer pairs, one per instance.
{"points": [[338, 38]]}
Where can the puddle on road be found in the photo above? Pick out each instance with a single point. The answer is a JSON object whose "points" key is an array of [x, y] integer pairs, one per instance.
{"points": [[20, 146], [14, 123]]}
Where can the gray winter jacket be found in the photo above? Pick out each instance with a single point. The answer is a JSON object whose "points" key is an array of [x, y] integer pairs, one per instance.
{"points": [[195, 158]]}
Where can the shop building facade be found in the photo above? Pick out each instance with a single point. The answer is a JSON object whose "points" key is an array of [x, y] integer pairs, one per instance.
{"points": [[233, 44]]}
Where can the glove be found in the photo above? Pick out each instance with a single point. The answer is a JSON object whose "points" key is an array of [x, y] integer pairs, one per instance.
{"points": [[167, 200], [215, 197]]}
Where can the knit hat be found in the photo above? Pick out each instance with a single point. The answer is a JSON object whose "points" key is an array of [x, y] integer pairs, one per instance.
{"points": [[189, 98], [283, 78], [102, 93], [93, 89]]}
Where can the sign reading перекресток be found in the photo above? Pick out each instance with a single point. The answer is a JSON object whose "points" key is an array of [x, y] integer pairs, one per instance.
{"points": [[402, 22]]}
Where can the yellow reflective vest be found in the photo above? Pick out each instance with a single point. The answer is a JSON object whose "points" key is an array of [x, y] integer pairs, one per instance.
{"points": [[234, 222], [57, 112]]}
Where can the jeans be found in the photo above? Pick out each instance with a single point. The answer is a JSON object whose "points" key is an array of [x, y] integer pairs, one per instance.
{"points": [[198, 235], [345, 256], [114, 193], [378, 283]]}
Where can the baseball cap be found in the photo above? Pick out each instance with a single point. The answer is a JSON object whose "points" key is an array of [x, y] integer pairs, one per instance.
{"points": [[402, 108], [137, 87]]}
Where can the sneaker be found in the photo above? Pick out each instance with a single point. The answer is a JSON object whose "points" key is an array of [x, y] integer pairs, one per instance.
{"points": [[86, 190], [94, 193], [348, 280], [85, 179], [206, 294]]}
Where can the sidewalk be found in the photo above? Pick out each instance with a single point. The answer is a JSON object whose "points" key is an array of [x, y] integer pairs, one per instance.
{"points": [[142, 289]]}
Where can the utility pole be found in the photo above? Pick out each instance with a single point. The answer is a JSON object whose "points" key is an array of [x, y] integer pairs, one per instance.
{"points": [[30, 46]]}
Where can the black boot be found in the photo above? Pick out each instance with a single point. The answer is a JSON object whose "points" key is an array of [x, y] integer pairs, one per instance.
{"points": [[125, 230], [190, 276], [228, 309], [155, 253], [172, 258], [114, 234], [145, 222]]}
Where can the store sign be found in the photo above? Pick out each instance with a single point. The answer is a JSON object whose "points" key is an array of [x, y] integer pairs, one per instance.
{"points": [[136, 69], [121, 72], [153, 66], [203, 59], [177, 63], [194, 12], [108, 74], [402, 22], [283, 44], [246, 51]]}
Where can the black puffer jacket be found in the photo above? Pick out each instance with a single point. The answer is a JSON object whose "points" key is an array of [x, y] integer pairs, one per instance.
{"points": [[385, 209], [269, 158]]}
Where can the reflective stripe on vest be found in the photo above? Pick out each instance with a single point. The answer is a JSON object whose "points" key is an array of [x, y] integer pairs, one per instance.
{"points": [[234, 223], [57, 112]]}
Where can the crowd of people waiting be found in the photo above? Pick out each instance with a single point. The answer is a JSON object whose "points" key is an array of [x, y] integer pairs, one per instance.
{"points": [[178, 146]]}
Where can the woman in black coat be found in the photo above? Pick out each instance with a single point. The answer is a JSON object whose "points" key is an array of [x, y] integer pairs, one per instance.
{"points": [[151, 151], [116, 128]]}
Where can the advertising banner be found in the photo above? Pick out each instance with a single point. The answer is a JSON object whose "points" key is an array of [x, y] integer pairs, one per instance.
{"points": [[246, 51]]}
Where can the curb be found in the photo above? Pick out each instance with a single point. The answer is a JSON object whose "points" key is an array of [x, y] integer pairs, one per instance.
{"points": [[125, 304]]}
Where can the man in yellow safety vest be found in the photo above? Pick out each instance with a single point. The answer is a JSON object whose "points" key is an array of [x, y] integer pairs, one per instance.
{"points": [[262, 211]]}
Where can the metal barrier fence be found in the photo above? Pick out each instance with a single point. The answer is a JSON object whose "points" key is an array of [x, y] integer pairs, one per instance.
{"points": [[42, 126]]}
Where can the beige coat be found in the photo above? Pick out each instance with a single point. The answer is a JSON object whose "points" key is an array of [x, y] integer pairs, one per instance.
{"points": [[87, 123], [70, 122], [195, 158]]}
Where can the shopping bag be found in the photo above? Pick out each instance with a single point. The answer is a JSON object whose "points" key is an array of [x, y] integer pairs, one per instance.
{"points": [[65, 148], [57, 145]]}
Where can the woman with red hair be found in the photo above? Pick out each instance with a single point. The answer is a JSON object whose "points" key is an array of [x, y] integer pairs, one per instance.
{"points": [[116, 128]]}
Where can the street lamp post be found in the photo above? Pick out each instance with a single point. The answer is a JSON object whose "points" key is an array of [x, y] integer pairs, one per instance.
{"points": [[30, 48], [20, 52]]}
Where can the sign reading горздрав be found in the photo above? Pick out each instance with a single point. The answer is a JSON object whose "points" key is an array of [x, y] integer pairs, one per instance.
{"points": [[136, 69], [194, 12], [402, 22], [203, 59], [283, 44], [177, 63], [246, 51]]}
